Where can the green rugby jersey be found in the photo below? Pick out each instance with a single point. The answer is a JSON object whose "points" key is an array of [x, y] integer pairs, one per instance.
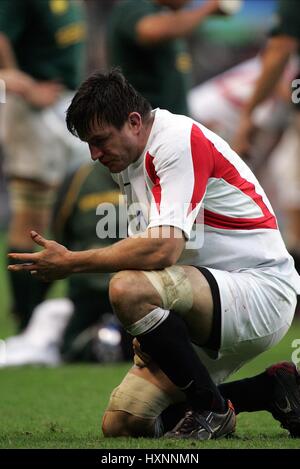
{"points": [[47, 37], [75, 219], [159, 72]]}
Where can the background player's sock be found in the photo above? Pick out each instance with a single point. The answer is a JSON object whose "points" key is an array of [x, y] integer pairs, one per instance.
{"points": [[165, 338], [20, 286], [27, 292]]}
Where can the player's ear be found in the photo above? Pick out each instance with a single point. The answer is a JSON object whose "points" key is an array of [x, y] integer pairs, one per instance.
{"points": [[135, 121]]}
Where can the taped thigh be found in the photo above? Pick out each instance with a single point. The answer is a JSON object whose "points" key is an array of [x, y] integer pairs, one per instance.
{"points": [[173, 287]]}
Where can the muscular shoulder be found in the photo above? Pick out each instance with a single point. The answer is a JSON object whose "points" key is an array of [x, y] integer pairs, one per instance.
{"points": [[170, 133]]}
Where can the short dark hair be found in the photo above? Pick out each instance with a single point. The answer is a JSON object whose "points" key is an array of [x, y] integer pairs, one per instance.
{"points": [[107, 99]]}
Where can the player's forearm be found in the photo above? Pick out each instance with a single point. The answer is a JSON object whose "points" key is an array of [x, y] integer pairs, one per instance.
{"points": [[130, 253], [275, 59], [7, 56], [185, 21], [158, 28]]}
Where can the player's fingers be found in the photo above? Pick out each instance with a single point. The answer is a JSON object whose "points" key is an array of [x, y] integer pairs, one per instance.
{"points": [[23, 256], [135, 342], [19, 267], [38, 239]]}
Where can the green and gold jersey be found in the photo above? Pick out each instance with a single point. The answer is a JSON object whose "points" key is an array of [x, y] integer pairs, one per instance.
{"points": [[287, 19], [161, 72], [75, 219], [47, 37]]}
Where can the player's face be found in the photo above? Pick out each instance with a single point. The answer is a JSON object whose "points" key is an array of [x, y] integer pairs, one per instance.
{"points": [[114, 148]]}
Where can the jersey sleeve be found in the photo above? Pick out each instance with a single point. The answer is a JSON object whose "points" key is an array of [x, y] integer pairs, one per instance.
{"points": [[12, 18], [177, 177]]}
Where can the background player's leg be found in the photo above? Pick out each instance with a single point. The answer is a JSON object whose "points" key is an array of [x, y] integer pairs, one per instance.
{"points": [[30, 209]]}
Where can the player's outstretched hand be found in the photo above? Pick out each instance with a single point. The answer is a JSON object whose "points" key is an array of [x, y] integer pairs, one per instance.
{"points": [[52, 263], [43, 93], [16, 81]]}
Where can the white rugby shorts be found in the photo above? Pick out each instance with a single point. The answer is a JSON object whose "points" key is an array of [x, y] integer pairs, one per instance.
{"points": [[257, 309], [37, 143]]}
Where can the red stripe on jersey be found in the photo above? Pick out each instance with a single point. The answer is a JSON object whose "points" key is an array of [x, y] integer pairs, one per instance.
{"points": [[156, 189], [228, 172], [217, 220], [201, 149]]}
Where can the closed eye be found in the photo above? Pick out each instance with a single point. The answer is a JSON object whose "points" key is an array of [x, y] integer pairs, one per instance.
{"points": [[99, 141]]}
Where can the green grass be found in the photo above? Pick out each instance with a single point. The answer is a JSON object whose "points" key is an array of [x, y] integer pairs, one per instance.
{"points": [[62, 407]]}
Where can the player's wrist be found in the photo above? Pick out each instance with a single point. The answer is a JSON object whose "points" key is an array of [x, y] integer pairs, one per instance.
{"points": [[246, 113], [71, 261], [80, 261]]}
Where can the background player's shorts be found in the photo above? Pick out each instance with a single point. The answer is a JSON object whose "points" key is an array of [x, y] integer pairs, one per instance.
{"points": [[37, 144], [257, 309]]}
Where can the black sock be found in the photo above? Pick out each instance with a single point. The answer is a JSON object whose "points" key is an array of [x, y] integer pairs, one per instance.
{"points": [[250, 394], [172, 414], [20, 291], [170, 347], [27, 292]]}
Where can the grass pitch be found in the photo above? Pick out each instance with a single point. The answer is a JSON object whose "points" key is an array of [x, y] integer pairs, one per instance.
{"points": [[62, 407]]}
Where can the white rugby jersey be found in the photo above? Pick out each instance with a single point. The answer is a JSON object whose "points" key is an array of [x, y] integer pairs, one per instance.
{"points": [[190, 178]]}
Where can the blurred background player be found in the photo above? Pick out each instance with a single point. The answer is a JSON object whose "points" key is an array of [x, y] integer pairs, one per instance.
{"points": [[283, 43], [74, 223], [146, 39], [218, 102], [80, 327], [41, 58]]}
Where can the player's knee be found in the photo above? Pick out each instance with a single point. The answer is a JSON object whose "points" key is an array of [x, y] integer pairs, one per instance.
{"points": [[123, 292], [119, 423], [115, 424]]}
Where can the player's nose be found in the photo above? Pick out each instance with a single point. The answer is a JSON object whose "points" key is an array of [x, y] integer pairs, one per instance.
{"points": [[96, 152]]}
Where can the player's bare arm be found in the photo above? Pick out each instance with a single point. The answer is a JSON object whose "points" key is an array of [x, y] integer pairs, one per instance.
{"points": [[157, 248], [38, 94], [275, 58], [154, 29], [7, 56]]}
